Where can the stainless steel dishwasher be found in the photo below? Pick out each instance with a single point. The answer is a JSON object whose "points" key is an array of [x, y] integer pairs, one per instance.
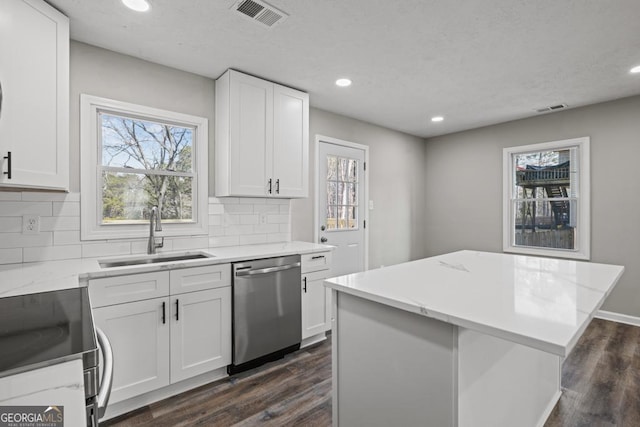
{"points": [[266, 311]]}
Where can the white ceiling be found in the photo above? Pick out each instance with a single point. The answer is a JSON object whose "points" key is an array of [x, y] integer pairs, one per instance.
{"points": [[476, 62]]}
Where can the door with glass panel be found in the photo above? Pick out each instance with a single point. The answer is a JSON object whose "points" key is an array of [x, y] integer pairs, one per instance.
{"points": [[341, 205]]}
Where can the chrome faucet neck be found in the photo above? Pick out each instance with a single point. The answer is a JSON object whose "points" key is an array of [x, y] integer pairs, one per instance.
{"points": [[152, 245]]}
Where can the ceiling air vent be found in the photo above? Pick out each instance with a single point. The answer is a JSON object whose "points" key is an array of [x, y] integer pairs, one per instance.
{"points": [[551, 108], [260, 11]]}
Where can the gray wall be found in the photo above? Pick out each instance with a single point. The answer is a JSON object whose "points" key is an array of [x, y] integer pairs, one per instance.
{"points": [[396, 163], [107, 74], [397, 174], [463, 186]]}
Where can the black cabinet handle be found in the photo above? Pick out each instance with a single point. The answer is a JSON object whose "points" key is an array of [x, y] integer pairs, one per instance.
{"points": [[317, 257], [278, 186], [305, 285], [8, 172], [269, 183], [177, 309], [164, 313]]}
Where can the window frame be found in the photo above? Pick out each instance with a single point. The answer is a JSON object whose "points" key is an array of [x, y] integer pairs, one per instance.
{"points": [[91, 227], [582, 250]]}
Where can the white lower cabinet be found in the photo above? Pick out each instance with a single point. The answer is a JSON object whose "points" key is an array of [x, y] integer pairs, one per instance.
{"points": [[140, 343], [316, 304], [316, 299], [161, 341], [200, 332]]}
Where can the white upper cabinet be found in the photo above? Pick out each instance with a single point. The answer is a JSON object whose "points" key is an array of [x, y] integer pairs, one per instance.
{"points": [[262, 138], [34, 110]]}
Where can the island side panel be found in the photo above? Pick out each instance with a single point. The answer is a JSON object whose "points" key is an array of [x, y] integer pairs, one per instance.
{"points": [[502, 383], [391, 367]]}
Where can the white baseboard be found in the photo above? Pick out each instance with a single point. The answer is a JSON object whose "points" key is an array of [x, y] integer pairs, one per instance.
{"points": [[618, 317]]}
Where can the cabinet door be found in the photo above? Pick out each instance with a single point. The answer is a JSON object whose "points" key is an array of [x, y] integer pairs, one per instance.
{"points": [[316, 304], [140, 341], [250, 134], [34, 79], [200, 332], [290, 142]]}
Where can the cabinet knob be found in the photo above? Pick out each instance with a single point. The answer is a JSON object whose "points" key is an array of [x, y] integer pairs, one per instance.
{"points": [[323, 240]]}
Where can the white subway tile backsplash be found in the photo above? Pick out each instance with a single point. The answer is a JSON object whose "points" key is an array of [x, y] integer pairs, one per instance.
{"points": [[215, 219], [238, 230], [278, 237], [10, 224], [216, 209], [52, 253], [249, 219], [109, 248], [253, 239], [224, 241], [66, 209], [216, 230], [264, 208], [10, 195], [193, 242], [25, 208], [232, 221], [278, 219], [238, 208], [266, 228], [66, 237], [60, 223], [20, 240], [10, 256]]}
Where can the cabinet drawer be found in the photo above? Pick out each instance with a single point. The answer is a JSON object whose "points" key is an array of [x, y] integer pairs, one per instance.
{"points": [[316, 262], [122, 289], [200, 278]]}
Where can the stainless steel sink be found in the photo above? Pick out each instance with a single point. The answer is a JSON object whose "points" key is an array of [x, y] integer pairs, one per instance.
{"points": [[124, 262]]}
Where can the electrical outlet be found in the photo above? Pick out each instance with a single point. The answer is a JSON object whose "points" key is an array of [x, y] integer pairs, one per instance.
{"points": [[30, 224]]}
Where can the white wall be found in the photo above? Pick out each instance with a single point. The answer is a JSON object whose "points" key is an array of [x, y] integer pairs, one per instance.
{"points": [[396, 179], [463, 186]]}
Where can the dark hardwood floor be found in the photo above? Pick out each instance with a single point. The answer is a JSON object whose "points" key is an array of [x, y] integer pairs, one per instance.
{"points": [[601, 382]]}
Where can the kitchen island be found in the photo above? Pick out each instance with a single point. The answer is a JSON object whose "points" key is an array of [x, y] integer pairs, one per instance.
{"points": [[462, 339]]}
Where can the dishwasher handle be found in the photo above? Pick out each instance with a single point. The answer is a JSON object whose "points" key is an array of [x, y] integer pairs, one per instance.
{"points": [[248, 272]]}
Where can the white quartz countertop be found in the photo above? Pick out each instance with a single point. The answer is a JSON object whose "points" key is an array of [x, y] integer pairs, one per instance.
{"points": [[544, 303], [27, 278]]}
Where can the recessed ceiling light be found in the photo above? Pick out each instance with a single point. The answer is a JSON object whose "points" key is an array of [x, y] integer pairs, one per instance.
{"points": [[635, 69], [137, 5], [437, 119], [343, 82]]}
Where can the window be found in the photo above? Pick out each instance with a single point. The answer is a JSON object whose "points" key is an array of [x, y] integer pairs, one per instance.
{"points": [[546, 199], [342, 193], [134, 158]]}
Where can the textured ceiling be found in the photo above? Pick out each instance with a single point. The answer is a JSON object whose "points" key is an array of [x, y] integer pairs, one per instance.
{"points": [[476, 62]]}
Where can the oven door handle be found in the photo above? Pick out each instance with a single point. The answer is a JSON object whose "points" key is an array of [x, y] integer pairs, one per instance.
{"points": [[240, 273], [107, 372]]}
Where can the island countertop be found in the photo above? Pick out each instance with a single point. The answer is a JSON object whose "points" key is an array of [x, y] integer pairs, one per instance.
{"points": [[544, 303]]}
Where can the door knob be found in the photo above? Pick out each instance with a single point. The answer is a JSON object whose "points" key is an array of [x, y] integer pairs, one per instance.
{"points": [[323, 240], [322, 228]]}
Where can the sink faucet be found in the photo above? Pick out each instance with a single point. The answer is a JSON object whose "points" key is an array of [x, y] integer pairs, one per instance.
{"points": [[152, 246]]}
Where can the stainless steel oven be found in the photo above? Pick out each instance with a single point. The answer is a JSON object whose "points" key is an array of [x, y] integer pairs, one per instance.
{"points": [[266, 311], [46, 328]]}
